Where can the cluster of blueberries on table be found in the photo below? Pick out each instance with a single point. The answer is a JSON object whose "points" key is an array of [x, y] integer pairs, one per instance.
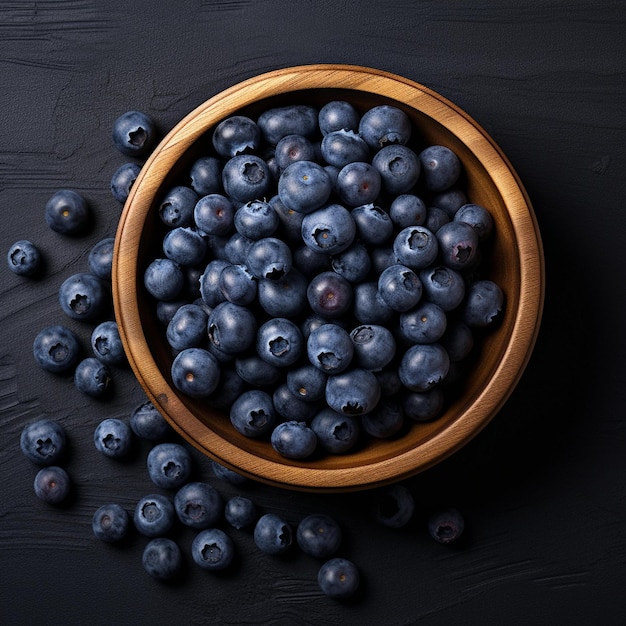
{"points": [[325, 255], [320, 278]]}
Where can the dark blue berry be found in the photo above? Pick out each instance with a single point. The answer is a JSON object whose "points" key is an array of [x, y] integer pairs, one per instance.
{"points": [[338, 115], [330, 348], [162, 558], [212, 549], [329, 295], [256, 219], [319, 535], [292, 148], [206, 175], [358, 183], [154, 515], [253, 413], [269, 258], [338, 578], [188, 327], [426, 323], [235, 135], [483, 305], [385, 124], [177, 207], [458, 244], [43, 442], [92, 377], [24, 258], [110, 523], [294, 440], [374, 346], [394, 506], [423, 366], [336, 433], [407, 210], [441, 167], [353, 392], [278, 122], [214, 214], [399, 287], [399, 168], [185, 245], [107, 344], [423, 406], [246, 177], [373, 225], [279, 342], [134, 133], [164, 279], [443, 286], [478, 217], [416, 247], [169, 465], [113, 438], [68, 213], [83, 297], [329, 230], [272, 534], [148, 423], [198, 505], [446, 526], [123, 179], [386, 420], [232, 328], [304, 186], [240, 512], [57, 349], [101, 258], [52, 484], [341, 147]]}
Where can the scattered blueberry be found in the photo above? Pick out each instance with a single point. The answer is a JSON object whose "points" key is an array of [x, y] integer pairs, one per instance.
{"points": [[240, 512], [57, 349], [162, 558], [101, 258], [148, 423], [134, 133], [272, 534], [294, 440], [212, 549], [107, 344], [154, 515], [446, 526], [52, 484], [319, 535], [92, 377], [68, 213], [43, 442], [110, 522], [394, 506], [123, 179], [83, 297], [198, 505], [339, 578], [24, 258], [113, 438], [169, 465]]}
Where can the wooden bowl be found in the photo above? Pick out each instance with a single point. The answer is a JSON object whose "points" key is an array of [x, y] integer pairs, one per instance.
{"points": [[516, 264]]}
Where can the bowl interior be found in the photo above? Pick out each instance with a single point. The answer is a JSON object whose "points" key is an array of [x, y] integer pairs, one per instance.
{"points": [[515, 264]]}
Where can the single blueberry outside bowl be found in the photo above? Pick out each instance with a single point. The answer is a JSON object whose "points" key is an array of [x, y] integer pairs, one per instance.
{"points": [[516, 264]]}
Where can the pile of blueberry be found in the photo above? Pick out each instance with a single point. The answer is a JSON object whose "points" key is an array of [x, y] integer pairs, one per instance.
{"points": [[179, 499], [321, 277]]}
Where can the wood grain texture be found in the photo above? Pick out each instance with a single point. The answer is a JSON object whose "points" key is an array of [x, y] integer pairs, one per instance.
{"points": [[542, 486]]}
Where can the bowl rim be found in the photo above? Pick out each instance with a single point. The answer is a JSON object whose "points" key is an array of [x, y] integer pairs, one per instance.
{"points": [[444, 442]]}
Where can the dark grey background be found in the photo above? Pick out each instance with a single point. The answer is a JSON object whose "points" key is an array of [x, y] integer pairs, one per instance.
{"points": [[543, 487]]}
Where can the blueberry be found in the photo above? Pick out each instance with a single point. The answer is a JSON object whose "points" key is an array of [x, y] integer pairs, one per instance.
{"points": [[214, 214], [206, 175], [212, 549], [335, 433], [358, 183], [257, 372], [294, 440], [92, 377], [123, 179], [100, 258], [385, 420], [43, 442], [232, 328], [423, 406], [52, 484], [188, 327], [310, 262], [330, 295], [198, 505], [164, 279], [147, 423], [113, 438], [256, 219], [246, 177], [83, 297], [291, 407], [423, 366], [416, 247], [341, 147], [154, 515], [134, 133], [353, 263], [67, 213], [338, 578], [369, 307], [399, 168], [458, 244], [483, 305], [374, 346], [304, 186], [319, 535], [253, 413], [185, 245], [290, 221], [435, 219], [235, 135], [230, 388], [210, 290], [278, 122], [107, 344], [195, 372], [399, 287], [272, 534], [162, 558], [478, 217], [279, 342], [446, 525], [426, 323], [110, 523], [56, 349], [269, 258], [385, 124], [177, 206], [228, 475], [307, 382], [450, 200], [236, 249], [373, 225], [394, 506], [329, 230], [353, 392], [337, 115], [330, 348], [443, 286], [24, 258], [292, 148], [458, 340], [240, 512], [169, 465], [441, 167], [407, 210]]}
